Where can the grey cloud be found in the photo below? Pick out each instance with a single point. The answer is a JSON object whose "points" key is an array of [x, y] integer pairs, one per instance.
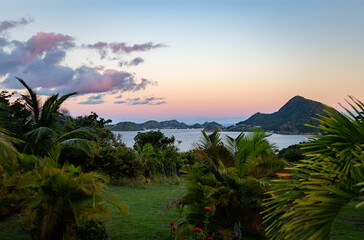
{"points": [[96, 97], [145, 101], [92, 102], [5, 25], [104, 48], [136, 61]]}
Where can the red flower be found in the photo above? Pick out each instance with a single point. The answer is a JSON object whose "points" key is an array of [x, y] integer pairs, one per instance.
{"points": [[174, 228], [171, 223], [207, 208], [210, 238], [196, 229]]}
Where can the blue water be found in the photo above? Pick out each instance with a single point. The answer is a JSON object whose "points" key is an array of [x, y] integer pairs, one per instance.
{"points": [[190, 136]]}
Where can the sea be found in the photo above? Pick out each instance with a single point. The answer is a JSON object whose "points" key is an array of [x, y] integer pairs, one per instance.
{"points": [[186, 138]]}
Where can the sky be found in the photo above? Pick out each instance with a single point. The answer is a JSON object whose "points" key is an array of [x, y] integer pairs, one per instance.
{"points": [[190, 60]]}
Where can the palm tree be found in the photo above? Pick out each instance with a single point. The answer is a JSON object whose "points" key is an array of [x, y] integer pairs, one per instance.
{"points": [[47, 123], [232, 179], [307, 206], [60, 198], [46, 115]]}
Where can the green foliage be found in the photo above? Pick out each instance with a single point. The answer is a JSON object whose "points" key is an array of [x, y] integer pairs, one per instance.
{"points": [[293, 153], [139, 164], [125, 126], [156, 138], [54, 199], [232, 179], [91, 230], [116, 162], [14, 115], [46, 114], [34, 189], [97, 125], [307, 206]]}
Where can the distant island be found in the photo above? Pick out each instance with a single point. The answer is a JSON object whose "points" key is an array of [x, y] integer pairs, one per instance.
{"points": [[289, 119], [172, 124]]}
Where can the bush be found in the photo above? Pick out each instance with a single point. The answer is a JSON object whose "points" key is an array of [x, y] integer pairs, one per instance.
{"points": [[91, 230], [156, 138]]}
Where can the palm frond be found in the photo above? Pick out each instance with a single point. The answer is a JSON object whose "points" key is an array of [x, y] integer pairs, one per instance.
{"points": [[81, 144]]}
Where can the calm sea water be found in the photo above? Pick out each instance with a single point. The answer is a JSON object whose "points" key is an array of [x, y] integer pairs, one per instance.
{"points": [[190, 136]]}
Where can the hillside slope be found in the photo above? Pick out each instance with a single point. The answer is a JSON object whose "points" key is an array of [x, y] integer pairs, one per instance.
{"points": [[290, 119]]}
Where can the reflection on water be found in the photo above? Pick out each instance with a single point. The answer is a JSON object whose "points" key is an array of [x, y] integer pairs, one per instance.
{"points": [[190, 136]]}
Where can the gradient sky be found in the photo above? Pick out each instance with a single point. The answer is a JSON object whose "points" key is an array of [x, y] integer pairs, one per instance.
{"points": [[189, 60]]}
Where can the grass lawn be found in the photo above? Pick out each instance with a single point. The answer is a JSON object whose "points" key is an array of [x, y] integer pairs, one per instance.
{"points": [[350, 223], [143, 222], [144, 205]]}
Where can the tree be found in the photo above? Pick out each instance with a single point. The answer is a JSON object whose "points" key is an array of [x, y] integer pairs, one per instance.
{"points": [[14, 115], [156, 138], [306, 206], [232, 179], [48, 114], [62, 197], [47, 126]]}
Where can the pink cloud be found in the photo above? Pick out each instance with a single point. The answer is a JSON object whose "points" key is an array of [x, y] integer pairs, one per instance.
{"points": [[89, 80], [118, 47], [99, 46], [45, 42], [38, 62], [12, 24], [121, 47]]}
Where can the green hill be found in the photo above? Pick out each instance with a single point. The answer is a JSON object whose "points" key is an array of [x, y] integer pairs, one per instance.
{"points": [[290, 119], [124, 126]]}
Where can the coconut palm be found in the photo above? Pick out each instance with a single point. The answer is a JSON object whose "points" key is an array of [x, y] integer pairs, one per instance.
{"points": [[47, 123], [306, 206], [41, 140], [48, 114]]}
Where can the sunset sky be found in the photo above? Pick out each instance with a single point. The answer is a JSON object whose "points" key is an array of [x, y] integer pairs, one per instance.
{"points": [[189, 60]]}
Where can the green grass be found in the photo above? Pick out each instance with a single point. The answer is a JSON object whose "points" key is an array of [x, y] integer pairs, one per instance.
{"points": [[144, 205], [143, 222], [349, 224]]}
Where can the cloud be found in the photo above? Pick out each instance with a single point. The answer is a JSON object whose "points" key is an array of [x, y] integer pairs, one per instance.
{"points": [[89, 80], [5, 25], [103, 48], [122, 47], [38, 61], [136, 61], [145, 101], [92, 102], [48, 42], [96, 99]]}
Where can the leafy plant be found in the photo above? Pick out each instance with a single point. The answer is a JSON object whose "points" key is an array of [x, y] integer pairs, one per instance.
{"points": [[306, 206], [232, 179]]}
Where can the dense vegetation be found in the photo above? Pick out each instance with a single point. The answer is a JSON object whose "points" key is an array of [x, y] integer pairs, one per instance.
{"points": [[306, 206], [231, 179], [39, 185], [54, 171]]}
